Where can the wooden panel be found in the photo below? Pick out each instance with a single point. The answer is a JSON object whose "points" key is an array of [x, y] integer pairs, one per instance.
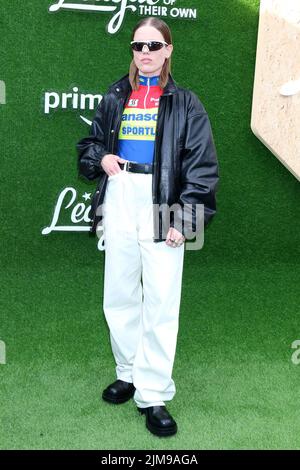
{"points": [[275, 117]]}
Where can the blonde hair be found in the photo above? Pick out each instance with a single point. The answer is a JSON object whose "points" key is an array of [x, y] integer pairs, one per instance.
{"points": [[164, 29]]}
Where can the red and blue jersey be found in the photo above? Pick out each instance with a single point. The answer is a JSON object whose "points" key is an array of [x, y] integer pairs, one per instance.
{"points": [[138, 127]]}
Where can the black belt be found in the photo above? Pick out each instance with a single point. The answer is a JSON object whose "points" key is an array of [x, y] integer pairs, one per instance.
{"points": [[137, 167]]}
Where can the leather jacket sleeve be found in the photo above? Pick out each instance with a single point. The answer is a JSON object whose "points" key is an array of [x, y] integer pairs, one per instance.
{"points": [[199, 170], [92, 149]]}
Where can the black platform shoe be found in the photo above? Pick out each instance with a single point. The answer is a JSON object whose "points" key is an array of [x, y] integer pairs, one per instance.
{"points": [[159, 421], [118, 392]]}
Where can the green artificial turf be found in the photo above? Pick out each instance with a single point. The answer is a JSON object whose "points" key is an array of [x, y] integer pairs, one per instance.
{"points": [[237, 387]]}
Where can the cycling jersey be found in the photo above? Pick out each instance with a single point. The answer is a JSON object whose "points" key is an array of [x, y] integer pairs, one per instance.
{"points": [[136, 138]]}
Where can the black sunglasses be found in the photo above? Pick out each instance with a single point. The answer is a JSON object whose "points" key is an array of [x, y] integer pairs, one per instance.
{"points": [[152, 45]]}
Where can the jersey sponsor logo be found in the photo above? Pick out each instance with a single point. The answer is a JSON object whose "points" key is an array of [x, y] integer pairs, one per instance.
{"points": [[133, 102], [139, 125], [137, 132], [156, 101], [139, 116]]}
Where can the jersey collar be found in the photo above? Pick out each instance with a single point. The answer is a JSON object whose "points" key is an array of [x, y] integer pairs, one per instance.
{"points": [[152, 81]]}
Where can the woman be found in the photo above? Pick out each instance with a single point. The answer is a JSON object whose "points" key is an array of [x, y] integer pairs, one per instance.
{"points": [[152, 147]]}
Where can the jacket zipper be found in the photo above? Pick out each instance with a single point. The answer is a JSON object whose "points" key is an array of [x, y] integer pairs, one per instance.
{"points": [[145, 99]]}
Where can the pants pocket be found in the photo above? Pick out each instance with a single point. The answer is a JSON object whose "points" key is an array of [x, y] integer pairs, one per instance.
{"points": [[114, 176]]}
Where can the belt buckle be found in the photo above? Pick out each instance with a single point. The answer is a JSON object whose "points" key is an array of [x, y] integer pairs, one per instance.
{"points": [[126, 165]]}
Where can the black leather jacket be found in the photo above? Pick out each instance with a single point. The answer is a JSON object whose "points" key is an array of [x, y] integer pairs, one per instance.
{"points": [[185, 166]]}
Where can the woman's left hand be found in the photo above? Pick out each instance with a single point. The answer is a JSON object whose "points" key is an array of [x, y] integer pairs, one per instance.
{"points": [[174, 238]]}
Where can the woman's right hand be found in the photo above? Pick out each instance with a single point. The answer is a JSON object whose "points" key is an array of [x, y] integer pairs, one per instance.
{"points": [[110, 164]]}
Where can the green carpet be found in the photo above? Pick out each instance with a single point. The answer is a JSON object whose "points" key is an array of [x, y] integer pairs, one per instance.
{"points": [[237, 387]]}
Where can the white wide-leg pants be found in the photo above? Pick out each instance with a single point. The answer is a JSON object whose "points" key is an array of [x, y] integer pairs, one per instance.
{"points": [[142, 289]]}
